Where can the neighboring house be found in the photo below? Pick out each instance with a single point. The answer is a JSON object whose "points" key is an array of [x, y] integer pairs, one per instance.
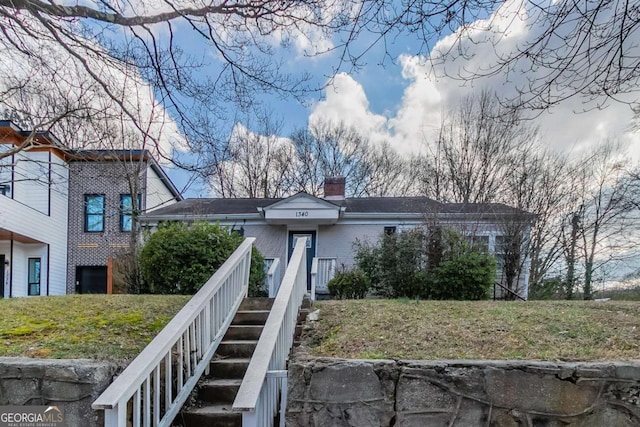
{"points": [[101, 210], [64, 211], [334, 223], [33, 214]]}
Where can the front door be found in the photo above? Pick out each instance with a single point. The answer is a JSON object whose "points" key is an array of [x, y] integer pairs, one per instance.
{"points": [[311, 249], [2, 267], [91, 280]]}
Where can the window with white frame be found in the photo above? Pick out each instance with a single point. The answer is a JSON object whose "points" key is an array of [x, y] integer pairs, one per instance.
{"points": [[478, 242]]}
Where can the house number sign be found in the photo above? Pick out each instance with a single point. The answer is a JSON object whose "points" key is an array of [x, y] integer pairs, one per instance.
{"points": [[302, 214]]}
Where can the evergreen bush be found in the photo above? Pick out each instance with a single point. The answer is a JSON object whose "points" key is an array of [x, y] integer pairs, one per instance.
{"points": [[179, 259]]}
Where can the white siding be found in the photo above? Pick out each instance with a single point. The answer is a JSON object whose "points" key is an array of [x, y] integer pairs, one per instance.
{"points": [[158, 194], [271, 240], [5, 165], [337, 240], [31, 180], [20, 217], [59, 217], [20, 267]]}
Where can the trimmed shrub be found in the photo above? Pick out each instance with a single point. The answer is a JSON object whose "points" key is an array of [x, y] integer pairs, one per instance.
{"points": [[439, 265], [468, 276], [352, 284], [395, 265], [179, 259]]}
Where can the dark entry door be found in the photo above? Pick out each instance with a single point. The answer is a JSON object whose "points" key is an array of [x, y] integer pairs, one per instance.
{"points": [[311, 249], [2, 266], [91, 280]]}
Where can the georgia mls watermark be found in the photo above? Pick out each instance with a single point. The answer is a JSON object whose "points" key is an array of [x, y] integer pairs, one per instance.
{"points": [[31, 416]]}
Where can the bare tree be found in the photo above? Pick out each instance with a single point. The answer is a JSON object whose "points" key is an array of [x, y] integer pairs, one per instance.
{"points": [[538, 183], [326, 149], [474, 151], [587, 49], [253, 163], [78, 47], [603, 222], [388, 173], [486, 153]]}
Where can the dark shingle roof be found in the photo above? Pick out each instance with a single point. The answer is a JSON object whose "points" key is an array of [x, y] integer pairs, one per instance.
{"points": [[214, 206], [363, 205]]}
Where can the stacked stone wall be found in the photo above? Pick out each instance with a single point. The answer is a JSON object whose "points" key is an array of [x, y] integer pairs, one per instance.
{"points": [[337, 392], [71, 385]]}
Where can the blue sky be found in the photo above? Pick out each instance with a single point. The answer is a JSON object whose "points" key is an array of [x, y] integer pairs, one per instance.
{"points": [[402, 100]]}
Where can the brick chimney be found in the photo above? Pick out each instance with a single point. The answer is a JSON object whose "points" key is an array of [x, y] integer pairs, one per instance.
{"points": [[334, 187]]}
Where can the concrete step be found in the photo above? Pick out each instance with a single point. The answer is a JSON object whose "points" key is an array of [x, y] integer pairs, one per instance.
{"points": [[250, 317], [243, 332], [212, 416], [229, 368], [256, 304], [218, 391], [236, 348]]}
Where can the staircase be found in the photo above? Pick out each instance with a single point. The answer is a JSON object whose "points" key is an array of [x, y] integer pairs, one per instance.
{"points": [[217, 331], [217, 391]]}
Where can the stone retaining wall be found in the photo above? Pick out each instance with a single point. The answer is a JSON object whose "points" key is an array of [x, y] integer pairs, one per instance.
{"points": [[337, 392], [71, 385]]}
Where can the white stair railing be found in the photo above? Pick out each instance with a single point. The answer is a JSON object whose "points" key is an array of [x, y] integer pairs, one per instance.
{"points": [[314, 278], [261, 388], [153, 388], [273, 277], [323, 269]]}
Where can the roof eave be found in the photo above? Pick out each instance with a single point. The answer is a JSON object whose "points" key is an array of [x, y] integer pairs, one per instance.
{"points": [[151, 217]]}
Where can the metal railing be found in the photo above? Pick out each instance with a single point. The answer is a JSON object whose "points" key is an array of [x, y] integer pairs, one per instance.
{"points": [[322, 270], [153, 388], [504, 292], [273, 276], [262, 386]]}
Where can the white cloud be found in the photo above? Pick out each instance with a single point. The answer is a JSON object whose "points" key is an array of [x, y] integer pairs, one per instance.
{"points": [[435, 86], [345, 102]]}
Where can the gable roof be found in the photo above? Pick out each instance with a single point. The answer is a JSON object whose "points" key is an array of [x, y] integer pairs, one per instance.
{"points": [[301, 195], [127, 155], [356, 206]]}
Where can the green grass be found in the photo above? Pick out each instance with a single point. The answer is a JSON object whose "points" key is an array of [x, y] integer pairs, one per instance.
{"points": [[539, 330], [104, 327]]}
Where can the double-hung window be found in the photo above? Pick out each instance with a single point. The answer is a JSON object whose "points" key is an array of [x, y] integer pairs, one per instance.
{"points": [[34, 276], [93, 213], [126, 211]]}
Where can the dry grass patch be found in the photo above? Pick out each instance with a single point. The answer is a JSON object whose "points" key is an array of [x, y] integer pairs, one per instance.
{"points": [[106, 327], [549, 330]]}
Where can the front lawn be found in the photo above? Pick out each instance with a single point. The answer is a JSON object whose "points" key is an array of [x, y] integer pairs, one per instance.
{"points": [[106, 327], [542, 330]]}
